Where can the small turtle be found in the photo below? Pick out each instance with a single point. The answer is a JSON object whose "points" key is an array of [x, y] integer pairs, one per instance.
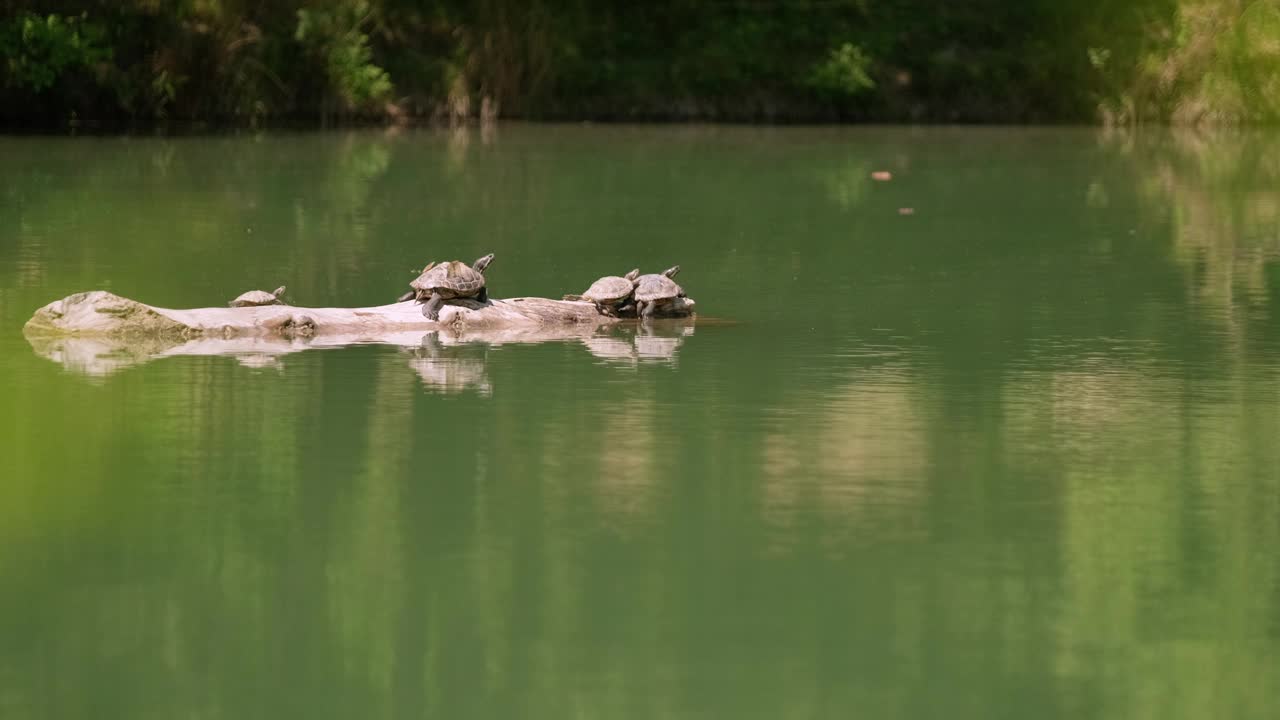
{"points": [[449, 280], [611, 293], [413, 292], [257, 298], [653, 291]]}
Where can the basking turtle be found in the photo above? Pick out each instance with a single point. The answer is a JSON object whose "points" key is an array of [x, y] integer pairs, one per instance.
{"points": [[654, 291], [449, 280], [612, 294], [257, 298], [413, 292]]}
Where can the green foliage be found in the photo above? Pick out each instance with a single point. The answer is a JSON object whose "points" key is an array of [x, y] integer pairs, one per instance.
{"points": [[242, 61], [1098, 57], [40, 49], [843, 73], [1214, 62], [335, 35]]}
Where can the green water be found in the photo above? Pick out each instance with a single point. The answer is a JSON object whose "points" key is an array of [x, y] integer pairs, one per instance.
{"points": [[1016, 454]]}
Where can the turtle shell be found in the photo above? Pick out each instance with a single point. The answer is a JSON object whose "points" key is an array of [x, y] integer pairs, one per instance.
{"points": [[610, 289], [450, 279], [255, 298], [650, 288]]}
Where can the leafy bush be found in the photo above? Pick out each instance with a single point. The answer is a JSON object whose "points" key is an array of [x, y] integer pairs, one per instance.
{"points": [[843, 73], [38, 50], [335, 35]]}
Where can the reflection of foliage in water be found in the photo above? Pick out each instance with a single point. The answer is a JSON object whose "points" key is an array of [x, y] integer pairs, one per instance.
{"points": [[1159, 530], [846, 185], [210, 207], [1219, 191]]}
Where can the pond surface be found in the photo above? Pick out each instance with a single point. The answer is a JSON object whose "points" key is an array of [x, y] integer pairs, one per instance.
{"points": [[999, 437]]}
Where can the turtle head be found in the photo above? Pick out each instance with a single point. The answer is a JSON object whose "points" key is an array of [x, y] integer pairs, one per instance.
{"points": [[482, 263], [632, 275], [428, 266], [278, 291], [671, 271]]}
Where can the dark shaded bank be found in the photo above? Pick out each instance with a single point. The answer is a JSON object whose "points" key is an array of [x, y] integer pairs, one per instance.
{"points": [[135, 64]]}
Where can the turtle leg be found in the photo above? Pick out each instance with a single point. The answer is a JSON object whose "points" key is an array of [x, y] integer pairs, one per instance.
{"points": [[431, 310], [647, 309], [482, 297], [407, 296]]}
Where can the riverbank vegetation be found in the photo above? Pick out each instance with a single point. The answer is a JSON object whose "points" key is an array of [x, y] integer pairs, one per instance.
{"points": [[129, 64]]}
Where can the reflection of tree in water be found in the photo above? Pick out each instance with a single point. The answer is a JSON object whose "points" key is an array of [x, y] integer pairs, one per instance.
{"points": [[627, 477], [195, 219], [859, 456], [344, 208], [1225, 212], [1160, 530]]}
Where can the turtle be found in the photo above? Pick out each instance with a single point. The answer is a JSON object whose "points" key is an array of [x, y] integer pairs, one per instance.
{"points": [[611, 294], [413, 292], [257, 298], [448, 280], [653, 291]]}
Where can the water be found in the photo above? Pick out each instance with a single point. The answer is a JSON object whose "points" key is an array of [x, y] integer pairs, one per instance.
{"points": [[1013, 454]]}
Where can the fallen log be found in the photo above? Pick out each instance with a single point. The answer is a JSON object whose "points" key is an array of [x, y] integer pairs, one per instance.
{"points": [[100, 313]]}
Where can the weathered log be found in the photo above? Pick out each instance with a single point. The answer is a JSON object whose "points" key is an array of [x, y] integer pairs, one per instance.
{"points": [[100, 313]]}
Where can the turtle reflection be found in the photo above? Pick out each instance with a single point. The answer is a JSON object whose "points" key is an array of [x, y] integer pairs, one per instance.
{"points": [[650, 342], [259, 361], [451, 367]]}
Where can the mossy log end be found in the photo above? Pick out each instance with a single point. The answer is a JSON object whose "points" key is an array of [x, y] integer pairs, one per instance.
{"points": [[102, 313]]}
